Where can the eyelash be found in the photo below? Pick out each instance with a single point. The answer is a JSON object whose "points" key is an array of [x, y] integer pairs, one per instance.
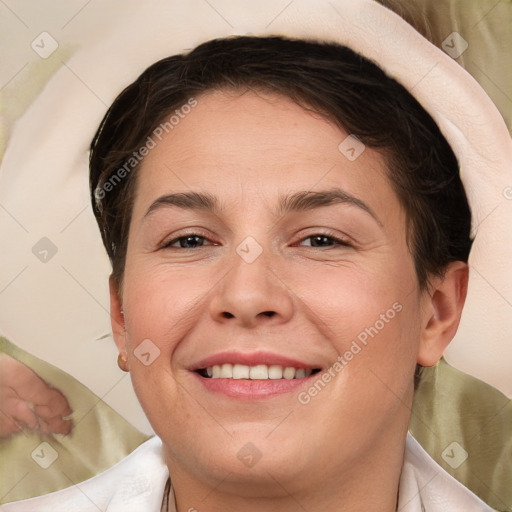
{"points": [[167, 245]]}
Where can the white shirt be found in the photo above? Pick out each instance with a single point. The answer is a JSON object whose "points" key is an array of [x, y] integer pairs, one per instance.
{"points": [[137, 483]]}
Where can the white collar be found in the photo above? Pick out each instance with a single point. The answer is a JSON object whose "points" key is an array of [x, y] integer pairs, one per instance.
{"points": [[426, 487], [137, 483]]}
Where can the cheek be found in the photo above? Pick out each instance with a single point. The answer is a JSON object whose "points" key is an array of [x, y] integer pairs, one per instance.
{"points": [[378, 358], [372, 318], [159, 303], [158, 310], [363, 302]]}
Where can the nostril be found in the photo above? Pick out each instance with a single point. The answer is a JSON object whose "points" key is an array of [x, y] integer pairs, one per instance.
{"points": [[227, 314]]}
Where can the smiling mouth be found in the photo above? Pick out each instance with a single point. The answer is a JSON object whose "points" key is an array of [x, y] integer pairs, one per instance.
{"points": [[257, 372]]}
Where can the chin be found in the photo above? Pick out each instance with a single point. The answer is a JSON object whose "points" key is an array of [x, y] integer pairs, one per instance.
{"points": [[251, 460]]}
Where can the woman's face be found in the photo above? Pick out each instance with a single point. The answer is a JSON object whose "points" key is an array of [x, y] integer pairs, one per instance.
{"points": [[260, 279]]}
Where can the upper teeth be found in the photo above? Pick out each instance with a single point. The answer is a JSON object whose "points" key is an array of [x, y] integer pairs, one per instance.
{"points": [[258, 372]]}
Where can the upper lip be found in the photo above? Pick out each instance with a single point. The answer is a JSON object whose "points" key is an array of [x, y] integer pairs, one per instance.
{"points": [[251, 359]]}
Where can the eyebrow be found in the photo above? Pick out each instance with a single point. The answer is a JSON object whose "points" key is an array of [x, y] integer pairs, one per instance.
{"points": [[295, 202]]}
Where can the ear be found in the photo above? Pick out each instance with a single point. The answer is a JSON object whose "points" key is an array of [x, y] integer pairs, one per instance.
{"points": [[117, 318], [442, 311]]}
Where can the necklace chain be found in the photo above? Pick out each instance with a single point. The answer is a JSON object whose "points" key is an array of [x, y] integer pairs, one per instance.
{"points": [[166, 497]]}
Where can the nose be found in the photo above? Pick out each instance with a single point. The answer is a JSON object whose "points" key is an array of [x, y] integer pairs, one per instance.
{"points": [[252, 294]]}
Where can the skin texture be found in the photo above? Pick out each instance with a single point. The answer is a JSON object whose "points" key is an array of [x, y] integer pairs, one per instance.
{"points": [[343, 450], [28, 402]]}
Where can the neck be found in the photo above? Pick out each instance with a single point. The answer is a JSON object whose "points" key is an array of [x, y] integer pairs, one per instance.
{"points": [[370, 483]]}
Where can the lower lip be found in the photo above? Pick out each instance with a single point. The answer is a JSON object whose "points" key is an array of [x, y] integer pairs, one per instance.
{"points": [[251, 389]]}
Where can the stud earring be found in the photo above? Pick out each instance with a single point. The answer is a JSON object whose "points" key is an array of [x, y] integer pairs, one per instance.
{"points": [[122, 362]]}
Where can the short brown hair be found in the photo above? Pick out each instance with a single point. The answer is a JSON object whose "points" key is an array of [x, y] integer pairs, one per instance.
{"points": [[329, 78]]}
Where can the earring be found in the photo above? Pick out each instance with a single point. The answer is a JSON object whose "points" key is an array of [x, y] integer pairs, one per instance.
{"points": [[122, 363]]}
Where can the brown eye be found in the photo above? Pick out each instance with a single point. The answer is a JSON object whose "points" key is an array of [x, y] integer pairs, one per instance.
{"points": [[323, 240], [190, 241]]}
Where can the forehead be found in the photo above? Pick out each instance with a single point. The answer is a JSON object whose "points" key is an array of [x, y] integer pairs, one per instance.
{"points": [[251, 146]]}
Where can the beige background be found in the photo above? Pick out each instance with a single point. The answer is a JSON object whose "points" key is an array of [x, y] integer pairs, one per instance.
{"points": [[58, 311]]}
